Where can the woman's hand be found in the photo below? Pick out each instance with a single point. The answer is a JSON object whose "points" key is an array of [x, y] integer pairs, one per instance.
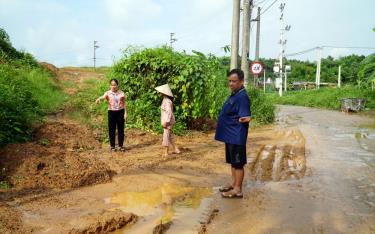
{"points": [[165, 125], [244, 119], [97, 101], [125, 115]]}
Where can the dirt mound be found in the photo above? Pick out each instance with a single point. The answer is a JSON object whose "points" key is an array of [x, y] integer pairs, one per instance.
{"points": [[60, 157], [280, 157], [105, 222], [50, 67], [10, 220], [67, 134]]}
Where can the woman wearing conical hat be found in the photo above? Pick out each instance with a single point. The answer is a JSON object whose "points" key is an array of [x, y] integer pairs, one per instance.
{"points": [[167, 118]]}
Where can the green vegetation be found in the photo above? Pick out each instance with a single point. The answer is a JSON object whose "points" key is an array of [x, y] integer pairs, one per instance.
{"points": [[28, 92], [328, 98], [352, 66], [198, 81], [356, 75], [81, 105], [262, 107]]}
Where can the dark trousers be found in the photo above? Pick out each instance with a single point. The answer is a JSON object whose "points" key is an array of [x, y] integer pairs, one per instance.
{"points": [[116, 118]]}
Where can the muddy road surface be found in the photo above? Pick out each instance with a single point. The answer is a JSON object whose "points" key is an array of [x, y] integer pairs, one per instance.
{"points": [[337, 193], [310, 172]]}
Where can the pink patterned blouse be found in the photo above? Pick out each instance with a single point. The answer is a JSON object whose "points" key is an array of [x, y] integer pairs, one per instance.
{"points": [[167, 116], [116, 100]]}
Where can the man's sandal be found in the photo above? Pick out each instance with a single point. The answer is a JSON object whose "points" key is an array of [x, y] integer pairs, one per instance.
{"points": [[232, 195], [225, 189]]}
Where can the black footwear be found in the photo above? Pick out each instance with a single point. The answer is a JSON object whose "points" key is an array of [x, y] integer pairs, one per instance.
{"points": [[225, 188], [232, 195], [113, 149], [122, 149]]}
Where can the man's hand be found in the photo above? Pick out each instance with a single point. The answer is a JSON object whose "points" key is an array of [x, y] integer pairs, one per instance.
{"points": [[244, 119]]}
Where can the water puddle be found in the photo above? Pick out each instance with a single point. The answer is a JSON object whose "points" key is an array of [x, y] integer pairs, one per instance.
{"points": [[176, 208]]}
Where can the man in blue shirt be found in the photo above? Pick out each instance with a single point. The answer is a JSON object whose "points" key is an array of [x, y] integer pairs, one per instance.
{"points": [[232, 128]]}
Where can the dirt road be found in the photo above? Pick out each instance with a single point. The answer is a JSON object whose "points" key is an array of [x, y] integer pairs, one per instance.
{"points": [[337, 195], [311, 172]]}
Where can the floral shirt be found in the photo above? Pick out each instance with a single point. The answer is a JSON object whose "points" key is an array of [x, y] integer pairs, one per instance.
{"points": [[167, 116], [116, 100]]}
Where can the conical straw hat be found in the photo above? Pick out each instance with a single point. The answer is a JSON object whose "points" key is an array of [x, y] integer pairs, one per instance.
{"points": [[164, 89]]}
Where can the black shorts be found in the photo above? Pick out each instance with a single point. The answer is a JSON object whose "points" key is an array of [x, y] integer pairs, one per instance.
{"points": [[235, 155]]}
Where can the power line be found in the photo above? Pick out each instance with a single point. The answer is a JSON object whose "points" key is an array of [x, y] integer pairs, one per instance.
{"points": [[268, 7], [301, 52], [350, 47], [260, 2], [338, 47]]}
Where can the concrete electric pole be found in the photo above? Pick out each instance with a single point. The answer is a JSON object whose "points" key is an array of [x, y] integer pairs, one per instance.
{"points": [[247, 7], [318, 65], [257, 42], [282, 43], [172, 39], [95, 47], [339, 78], [235, 34]]}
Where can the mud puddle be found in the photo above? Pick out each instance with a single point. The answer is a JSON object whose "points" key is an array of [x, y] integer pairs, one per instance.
{"points": [[175, 208]]}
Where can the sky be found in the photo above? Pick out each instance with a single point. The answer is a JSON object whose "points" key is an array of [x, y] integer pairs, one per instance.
{"points": [[62, 31]]}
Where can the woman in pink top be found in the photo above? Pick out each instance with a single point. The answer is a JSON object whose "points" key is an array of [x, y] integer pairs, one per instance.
{"points": [[116, 114], [167, 118]]}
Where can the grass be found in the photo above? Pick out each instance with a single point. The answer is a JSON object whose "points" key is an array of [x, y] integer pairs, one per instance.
{"points": [[45, 90], [90, 69], [27, 94], [325, 98], [82, 107]]}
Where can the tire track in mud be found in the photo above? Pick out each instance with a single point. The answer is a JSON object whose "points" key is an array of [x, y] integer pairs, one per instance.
{"points": [[280, 160]]}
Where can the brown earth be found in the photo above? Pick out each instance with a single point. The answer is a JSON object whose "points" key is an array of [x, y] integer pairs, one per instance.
{"points": [[66, 172], [50, 67], [59, 158]]}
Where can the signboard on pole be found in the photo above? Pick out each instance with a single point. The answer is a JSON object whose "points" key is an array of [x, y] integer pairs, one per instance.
{"points": [[278, 83], [256, 68]]}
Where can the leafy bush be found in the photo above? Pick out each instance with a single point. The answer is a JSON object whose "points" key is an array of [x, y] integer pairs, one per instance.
{"points": [[9, 53], [199, 81], [262, 108], [366, 71]]}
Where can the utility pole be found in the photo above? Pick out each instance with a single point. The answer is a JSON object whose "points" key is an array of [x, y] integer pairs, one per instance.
{"points": [[258, 36], [257, 42], [285, 81], [235, 34], [247, 7], [282, 43], [172, 39], [264, 80], [339, 78], [95, 47], [318, 65]]}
